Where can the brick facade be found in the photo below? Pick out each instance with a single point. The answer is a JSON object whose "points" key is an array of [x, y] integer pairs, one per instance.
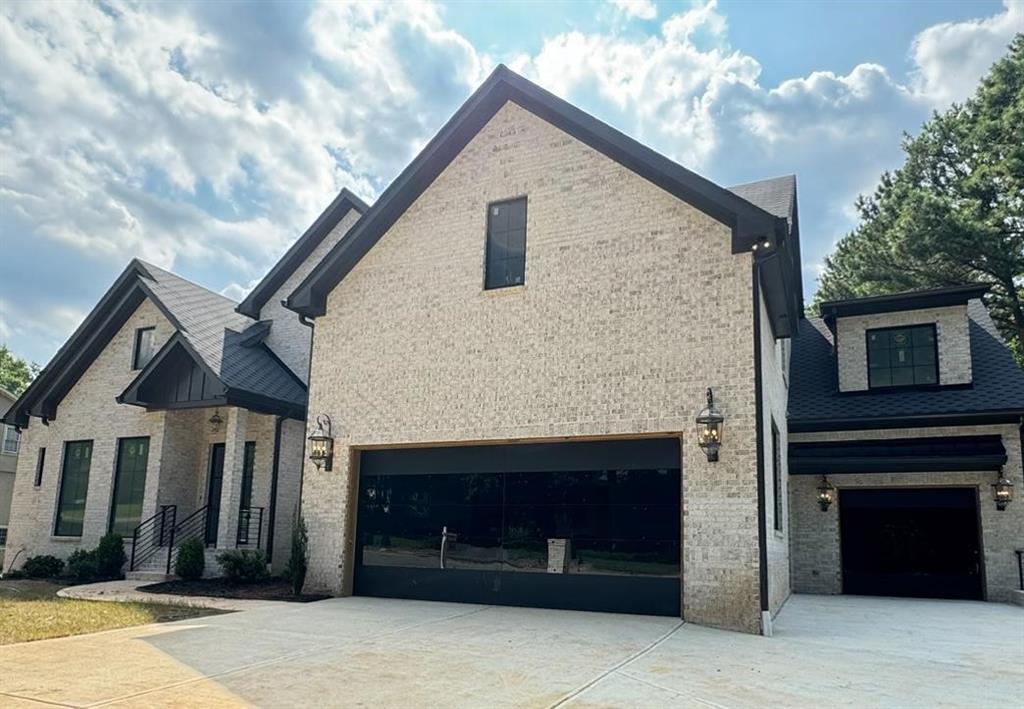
{"points": [[815, 554], [952, 331], [610, 336]]}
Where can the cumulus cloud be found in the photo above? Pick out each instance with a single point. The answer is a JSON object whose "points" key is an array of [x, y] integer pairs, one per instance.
{"points": [[642, 9]]}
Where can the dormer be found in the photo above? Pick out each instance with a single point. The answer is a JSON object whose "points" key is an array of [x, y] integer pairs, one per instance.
{"points": [[913, 340]]}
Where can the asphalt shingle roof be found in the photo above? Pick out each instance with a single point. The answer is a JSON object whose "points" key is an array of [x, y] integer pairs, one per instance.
{"points": [[774, 195], [215, 331], [998, 383]]}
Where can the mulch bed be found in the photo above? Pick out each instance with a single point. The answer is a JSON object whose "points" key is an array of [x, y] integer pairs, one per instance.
{"points": [[269, 590]]}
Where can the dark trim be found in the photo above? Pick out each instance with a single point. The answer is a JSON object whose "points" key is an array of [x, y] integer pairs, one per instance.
{"points": [[898, 455], [299, 251], [978, 418], [272, 512], [893, 465], [131, 393], [762, 517], [908, 300], [903, 387], [749, 224]]}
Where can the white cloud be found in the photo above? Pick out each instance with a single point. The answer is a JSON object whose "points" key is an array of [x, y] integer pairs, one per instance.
{"points": [[953, 56], [642, 9]]}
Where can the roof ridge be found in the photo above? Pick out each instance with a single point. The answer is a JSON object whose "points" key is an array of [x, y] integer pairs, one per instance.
{"points": [[789, 175], [150, 266]]}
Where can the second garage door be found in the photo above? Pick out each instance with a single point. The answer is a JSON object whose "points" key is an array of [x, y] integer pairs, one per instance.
{"points": [[588, 526]]}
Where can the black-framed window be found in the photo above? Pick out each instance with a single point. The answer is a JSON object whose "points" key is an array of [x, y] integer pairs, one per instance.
{"points": [[74, 487], [144, 347], [506, 244], [902, 356], [777, 476], [40, 462], [129, 485], [248, 465]]}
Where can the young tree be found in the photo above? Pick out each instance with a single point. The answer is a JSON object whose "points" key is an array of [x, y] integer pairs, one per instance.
{"points": [[15, 374], [954, 213]]}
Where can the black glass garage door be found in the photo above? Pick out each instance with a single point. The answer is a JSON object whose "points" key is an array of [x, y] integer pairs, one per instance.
{"points": [[589, 526]]}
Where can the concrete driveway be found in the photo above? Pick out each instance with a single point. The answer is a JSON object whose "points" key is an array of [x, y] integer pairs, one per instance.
{"points": [[827, 651]]}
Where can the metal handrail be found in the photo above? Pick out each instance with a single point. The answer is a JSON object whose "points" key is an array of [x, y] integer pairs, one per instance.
{"points": [[155, 529], [191, 526], [1020, 567], [247, 516]]}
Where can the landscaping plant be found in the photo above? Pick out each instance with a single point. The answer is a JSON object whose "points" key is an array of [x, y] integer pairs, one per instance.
{"points": [[43, 566], [82, 565], [243, 565], [110, 557], [298, 562], [191, 561]]}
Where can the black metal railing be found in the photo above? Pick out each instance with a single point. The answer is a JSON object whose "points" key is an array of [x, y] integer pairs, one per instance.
{"points": [[152, 536], [1020, 567], [250, 527], [192, 526]]}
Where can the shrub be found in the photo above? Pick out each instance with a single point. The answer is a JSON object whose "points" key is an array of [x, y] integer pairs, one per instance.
{"points": [[42, 567], [83, 565], [110, 557], [298, 561], [191, 559], [243, 565]]}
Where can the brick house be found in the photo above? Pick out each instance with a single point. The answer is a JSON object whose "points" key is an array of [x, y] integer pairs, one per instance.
{"points": [[508, 353]]}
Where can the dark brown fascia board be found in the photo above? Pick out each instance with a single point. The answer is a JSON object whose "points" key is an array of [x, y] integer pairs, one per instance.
{"points": [[749, 224], [300, 251], [909, 300], [976, 418]]}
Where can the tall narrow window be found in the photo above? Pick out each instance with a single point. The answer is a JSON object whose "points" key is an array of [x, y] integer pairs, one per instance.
{"points": [[902, 356], [144, 349], [40, 462], [777, 476], [74, 487], [129, 485], [506, 244]]}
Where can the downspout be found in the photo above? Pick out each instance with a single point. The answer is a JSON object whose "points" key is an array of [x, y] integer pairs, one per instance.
{"points": [[272, 513], [762, 521], [309, 376]]}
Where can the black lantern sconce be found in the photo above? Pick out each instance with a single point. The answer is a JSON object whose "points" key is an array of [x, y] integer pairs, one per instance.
{"points": [[709, 428], [321, 444], [1002, 492], [826, 494], [216, 421]]}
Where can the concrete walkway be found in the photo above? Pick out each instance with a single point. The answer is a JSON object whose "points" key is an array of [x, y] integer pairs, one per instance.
{"points": [[127, 591], [827, 651]]}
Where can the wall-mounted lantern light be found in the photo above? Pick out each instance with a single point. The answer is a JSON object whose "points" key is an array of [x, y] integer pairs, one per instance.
{"points": [[321, 444], [826, 494], [216, 421], [709, 428], [1002, 492]]}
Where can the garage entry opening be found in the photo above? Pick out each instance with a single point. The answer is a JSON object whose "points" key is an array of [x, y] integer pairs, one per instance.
{"points": [[586, 526]]}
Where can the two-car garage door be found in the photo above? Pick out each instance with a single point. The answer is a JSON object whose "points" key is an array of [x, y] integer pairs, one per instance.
{"points": [[588, 526]]}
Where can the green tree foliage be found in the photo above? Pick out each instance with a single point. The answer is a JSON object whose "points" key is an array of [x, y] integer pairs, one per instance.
{"points": [[954, 213], [15, 374]]}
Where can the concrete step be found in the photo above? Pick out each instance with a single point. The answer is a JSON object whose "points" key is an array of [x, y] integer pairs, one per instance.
{"points": [[150, 576]]}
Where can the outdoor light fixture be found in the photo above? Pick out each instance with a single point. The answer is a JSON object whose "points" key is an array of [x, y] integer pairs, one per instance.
{"points": [[826, 494], [321, 444], [709, 428], [216, 421], [1002, 492]]}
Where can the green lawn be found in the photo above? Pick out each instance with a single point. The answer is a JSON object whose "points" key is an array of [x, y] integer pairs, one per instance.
{"points": [[31, 610]]}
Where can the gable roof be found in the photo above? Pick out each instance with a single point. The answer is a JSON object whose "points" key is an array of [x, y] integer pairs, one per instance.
{"points": [[815, 403], [300, 251], [749, 223], [207, 321]]}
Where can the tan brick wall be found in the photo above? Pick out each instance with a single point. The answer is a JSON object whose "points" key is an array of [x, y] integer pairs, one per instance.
{"points": [[951, 326], [817, 566], [288, 338], [611, 336]]}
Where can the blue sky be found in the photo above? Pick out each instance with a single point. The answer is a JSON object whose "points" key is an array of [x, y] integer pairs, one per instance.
{"points": [[205, 137]]}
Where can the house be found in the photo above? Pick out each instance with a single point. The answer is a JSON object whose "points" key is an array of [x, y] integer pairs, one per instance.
{"points": [[9, 441], [550, 367], [172, 412]]}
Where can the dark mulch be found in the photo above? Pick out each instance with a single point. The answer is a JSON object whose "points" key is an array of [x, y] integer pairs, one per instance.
{"points": [[269, 590]]}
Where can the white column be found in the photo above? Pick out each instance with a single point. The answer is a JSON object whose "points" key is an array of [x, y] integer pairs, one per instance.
{"points": [[231, 487]]}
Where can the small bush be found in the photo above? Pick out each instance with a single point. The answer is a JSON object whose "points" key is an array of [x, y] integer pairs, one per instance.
{"points": [[243, 565], [83, 566], [191, 560], [14, 574], [110, 557], [298, 561], [42, 567]]}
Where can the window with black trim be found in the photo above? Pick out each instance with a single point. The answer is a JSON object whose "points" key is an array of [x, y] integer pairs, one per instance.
{"points": [[902, 356], [777, 476], [506, 244], [40, 462], [74, 488], [144, 349]]}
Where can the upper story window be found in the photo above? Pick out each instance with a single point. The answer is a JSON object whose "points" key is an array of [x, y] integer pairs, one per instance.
{"points": [[11, 440], [144, 347], [902, 356], [506, 244]]}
